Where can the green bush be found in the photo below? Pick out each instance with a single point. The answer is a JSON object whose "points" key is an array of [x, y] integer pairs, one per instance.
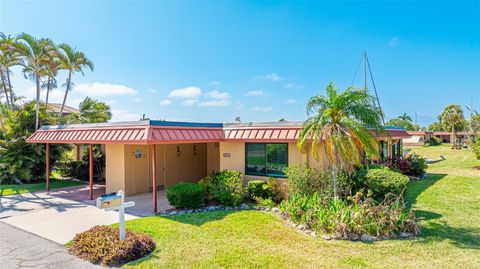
{"points": [[279, 188], [383, 181], [418, 166], [206, 183], [352, 218], [433, 141], [227, 188], [306, 180], [102, 244], [267, 202], [186, 195], [259, 188], [476, 147]]}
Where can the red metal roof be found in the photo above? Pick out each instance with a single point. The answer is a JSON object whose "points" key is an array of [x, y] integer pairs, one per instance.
{"points": [[173, 132]]}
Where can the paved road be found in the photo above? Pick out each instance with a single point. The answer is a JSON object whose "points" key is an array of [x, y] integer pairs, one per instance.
{"points": [[21, 249]]}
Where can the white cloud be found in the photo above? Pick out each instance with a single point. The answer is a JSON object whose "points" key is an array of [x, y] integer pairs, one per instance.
{"points": [[190, 102], [103, 89], [165, 102], [214, 103], [215, 83], [293, 86], [188, 92], [255, 93], [290, 101], [261, 109], [272, 77], [217, 95], [394, 41], [124, 115]]}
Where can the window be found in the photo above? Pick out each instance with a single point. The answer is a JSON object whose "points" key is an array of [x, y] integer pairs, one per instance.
{"points": [[266, 159]]}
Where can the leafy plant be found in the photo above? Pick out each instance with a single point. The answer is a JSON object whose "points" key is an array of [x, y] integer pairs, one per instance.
{"points": [[102, 244], [265, 202], [259, 188], [476, 147], [381, 182], [186, 195], [433, 141], [227, 187], [353, 217]]}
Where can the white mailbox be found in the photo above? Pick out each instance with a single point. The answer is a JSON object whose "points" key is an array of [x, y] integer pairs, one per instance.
{"points": [[114, 201]]}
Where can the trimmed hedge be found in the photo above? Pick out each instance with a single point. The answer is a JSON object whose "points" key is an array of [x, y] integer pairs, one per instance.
{"points": [[383, 181], [186, 195], [102, 244]]}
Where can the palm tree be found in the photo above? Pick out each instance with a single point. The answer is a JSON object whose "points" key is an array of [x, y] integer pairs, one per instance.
{"points": [[93, 111], [452, 117], [50, 71], [9, 57], [405, 117], [73, 61], [342, 122], [35, 54]]}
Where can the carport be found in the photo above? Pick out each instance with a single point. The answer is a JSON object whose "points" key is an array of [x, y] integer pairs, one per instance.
{"points": [[143, 156]]}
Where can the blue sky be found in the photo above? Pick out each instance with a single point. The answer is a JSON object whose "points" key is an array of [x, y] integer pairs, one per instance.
{"points": [[261, 61]]}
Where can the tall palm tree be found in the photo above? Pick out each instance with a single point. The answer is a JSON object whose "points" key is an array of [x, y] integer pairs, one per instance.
{"points": [[405, 117], [92, 111], [9, 57], [73, 61], [50, 71], [35, 53], [343, 123], [452, 117]]}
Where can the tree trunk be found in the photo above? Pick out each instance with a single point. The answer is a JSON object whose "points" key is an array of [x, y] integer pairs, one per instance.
{"points": [[48, 91], [335, 172], [66, 93], [5, 89], [37, 99], [10, 89]]}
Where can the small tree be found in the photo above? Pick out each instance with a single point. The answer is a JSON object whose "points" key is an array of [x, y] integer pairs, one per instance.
{"points": [[452, 117]]}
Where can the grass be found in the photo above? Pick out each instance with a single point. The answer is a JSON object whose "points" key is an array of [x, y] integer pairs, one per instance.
{"points": [[447, 205], [9, 189]]}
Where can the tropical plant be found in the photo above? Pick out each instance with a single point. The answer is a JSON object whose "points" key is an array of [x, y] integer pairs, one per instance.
{"points": [[383, 181], [91, 111], [405, 117], [476, 147], [50, 71], [9, 57], [343, 123], [73, 61], [227, 187], [405, 124], [452, 117], [35, 53]]}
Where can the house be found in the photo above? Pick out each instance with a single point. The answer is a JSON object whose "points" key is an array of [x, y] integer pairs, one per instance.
{"points": [[145, 155], [447, 137], [417, 138], [55, 108]]}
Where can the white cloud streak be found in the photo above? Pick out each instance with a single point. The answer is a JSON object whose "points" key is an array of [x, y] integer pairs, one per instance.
{"points": [[187, 93], [255, 93], [97, 89]]}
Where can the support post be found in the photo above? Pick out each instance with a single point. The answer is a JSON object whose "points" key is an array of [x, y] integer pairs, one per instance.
{"points": [[90, 160], [47, 165], [154, 178]]}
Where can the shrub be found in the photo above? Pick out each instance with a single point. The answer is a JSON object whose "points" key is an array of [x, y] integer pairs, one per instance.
{"points": [[476, 147], [279, 189], [433, 141], [186, 195], [306, 180], [268, 202], [259, 188], [352, 218], [383, 181], [102, 244], [206, 183], [418, 166], [227, 187]]}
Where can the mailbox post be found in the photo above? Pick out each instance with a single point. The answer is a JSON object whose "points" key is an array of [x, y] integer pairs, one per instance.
{"points": [[114, 201]]}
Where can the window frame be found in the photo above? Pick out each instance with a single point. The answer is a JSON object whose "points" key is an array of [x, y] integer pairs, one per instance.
{"points": [[266, 160]]}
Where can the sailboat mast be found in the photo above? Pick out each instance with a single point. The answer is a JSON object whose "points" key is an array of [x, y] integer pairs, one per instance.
{"points": [[365, 70]]}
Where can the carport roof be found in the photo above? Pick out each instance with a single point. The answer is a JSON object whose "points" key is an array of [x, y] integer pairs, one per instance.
{"points": [[171, 132]]}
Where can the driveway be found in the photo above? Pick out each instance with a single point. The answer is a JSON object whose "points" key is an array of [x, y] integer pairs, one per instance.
{"points": [[20, 249], [53, 217]]}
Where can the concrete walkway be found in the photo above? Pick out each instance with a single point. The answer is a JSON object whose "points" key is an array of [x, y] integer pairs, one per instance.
{"points": [[20, 249], [54, 218]]}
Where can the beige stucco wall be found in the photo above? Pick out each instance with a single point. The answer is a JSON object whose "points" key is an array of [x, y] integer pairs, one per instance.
{"points": [[114, 167], [232, 157], [213, 157]]}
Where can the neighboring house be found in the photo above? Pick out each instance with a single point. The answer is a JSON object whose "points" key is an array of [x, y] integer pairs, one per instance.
{"points": [[55, 108], [447, 137], [417, 138], [143, 154]]}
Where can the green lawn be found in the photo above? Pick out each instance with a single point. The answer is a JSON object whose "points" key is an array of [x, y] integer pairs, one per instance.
{"points": [[447, 205], [33, 187]]}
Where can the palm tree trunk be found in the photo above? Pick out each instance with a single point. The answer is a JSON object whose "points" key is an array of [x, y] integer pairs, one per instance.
{"points": [[10, 88], [5, 89], [66, 93], [48, 91], [37, 100], [335, 172]]}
